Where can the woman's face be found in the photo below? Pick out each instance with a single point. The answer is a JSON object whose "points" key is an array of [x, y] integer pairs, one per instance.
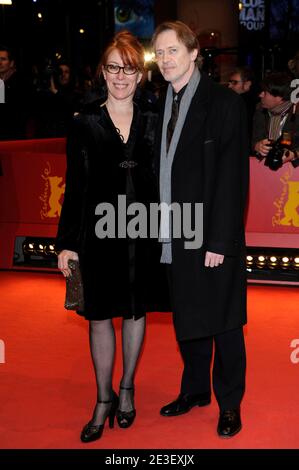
{"points": [[120, 85]]}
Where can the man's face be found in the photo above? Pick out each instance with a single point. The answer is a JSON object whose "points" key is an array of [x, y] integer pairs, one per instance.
{"points": [[65, 74], [269, 101], [5, 62], [175, 62], [238, 85]]}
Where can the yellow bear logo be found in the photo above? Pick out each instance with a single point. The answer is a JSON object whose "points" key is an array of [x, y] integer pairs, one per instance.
{"points": [[291, 215], [56, 191]]}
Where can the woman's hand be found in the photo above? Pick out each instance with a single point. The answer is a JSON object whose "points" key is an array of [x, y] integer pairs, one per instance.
{"points": [[63, 259]]}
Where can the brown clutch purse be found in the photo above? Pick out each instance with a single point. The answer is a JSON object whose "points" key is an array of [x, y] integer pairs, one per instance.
{"points": [[74, 298]]}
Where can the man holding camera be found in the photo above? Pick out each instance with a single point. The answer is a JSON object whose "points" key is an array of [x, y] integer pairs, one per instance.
{"points": [[276, 123]]}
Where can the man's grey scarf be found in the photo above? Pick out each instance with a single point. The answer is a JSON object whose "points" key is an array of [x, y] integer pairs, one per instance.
{"points": [[166, 159]]}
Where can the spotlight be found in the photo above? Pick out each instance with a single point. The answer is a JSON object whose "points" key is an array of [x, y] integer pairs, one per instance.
{"points": [[81, 31], [296, 260], [273, 259], [285, 259], [261, 261], [149, 57], [49, 250]]}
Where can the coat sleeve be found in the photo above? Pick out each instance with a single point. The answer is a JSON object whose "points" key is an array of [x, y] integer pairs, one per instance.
{"points": [[70, 222], [229, 194]]}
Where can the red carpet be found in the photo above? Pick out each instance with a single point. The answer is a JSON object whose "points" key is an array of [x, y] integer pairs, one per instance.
{"points": [[47, 389]]}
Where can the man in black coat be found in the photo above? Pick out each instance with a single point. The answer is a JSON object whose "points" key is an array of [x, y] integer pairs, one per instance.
{"points": [[202, 157], [13, 111]]}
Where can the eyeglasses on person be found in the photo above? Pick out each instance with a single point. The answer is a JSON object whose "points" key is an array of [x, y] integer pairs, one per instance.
{"points": [[127, 69]]}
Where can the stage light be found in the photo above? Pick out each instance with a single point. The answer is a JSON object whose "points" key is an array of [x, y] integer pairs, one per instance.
{"points": [[81, 31], [250, 258], [273, 259], [285, 259], [5, 2], [31, 246], [240, 6], [261, 259], [40, 16], [296, 260], [149, 57]]}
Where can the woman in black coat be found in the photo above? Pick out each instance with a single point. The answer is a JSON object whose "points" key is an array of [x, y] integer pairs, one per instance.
{"points": [[108, 155]]}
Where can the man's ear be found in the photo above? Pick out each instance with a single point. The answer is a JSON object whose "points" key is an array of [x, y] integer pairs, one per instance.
{"points": [[194, 54]]}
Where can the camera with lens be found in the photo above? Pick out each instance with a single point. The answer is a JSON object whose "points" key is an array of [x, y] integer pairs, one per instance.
{"points": [[274, 158], [49, 71]]}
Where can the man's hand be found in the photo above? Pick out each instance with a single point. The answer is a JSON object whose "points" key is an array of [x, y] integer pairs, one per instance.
{"points": [[212, 260], [63, 259], [263, 147], [288, 156], [53, 88]]}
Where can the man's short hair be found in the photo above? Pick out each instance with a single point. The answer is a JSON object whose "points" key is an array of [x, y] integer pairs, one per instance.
{"points": [[8, 50], [245, 72], [278, 84]]}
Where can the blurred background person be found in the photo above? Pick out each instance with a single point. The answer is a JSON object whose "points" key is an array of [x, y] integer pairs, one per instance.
{"points": [[56, 100], [12, 112], [242, 81], [276, 118]]}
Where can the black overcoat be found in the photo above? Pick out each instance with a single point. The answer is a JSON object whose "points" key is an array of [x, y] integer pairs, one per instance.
{"points": [[96, 174], [210, 166]]}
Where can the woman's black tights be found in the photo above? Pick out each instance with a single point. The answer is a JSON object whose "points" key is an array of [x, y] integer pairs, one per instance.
{"points": [[102, 346]]}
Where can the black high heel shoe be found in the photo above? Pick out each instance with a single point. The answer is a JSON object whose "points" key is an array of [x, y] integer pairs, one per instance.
{"points": [[125, 419], [92, 432]]}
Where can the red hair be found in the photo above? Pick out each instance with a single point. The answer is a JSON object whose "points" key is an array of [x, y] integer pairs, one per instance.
{"points": [[129, 48]]}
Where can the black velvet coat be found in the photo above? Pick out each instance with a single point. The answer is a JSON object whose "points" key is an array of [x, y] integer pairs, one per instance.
{"points": [[211, 166], [94, 175]]}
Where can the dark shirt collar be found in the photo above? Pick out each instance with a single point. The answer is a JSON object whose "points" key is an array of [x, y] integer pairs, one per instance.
{"points": [[178, 96]]}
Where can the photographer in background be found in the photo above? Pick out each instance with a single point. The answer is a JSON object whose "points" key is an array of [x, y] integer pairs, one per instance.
{"points": [[276, 123], [56, 100]]}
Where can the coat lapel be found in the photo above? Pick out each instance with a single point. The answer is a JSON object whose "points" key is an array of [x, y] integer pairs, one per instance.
{"points": [[196, 117]]}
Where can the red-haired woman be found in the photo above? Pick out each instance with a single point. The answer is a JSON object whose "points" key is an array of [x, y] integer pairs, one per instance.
{"points": [[108, 155]]}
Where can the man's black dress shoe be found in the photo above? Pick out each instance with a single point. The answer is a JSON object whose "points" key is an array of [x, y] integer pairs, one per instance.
{"points": [[229, 423], [184, 403]]}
